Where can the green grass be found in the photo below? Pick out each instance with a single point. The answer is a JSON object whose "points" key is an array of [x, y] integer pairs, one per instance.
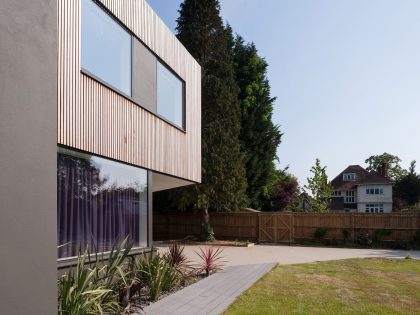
{"points": [[351, 286]]}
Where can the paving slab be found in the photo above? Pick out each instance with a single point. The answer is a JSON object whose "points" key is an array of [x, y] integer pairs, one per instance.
{"points": [[211, 295]]}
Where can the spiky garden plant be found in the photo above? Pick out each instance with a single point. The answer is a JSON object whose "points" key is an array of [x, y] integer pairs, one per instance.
{"points": [[211, 260], [176, 257], [157, 274], [78, 295]]}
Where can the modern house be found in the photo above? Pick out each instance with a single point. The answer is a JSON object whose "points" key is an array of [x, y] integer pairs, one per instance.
{"points": [[100, 107], [357, 190]]}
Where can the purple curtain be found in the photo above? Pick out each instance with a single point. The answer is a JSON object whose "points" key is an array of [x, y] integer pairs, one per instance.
{"points": [[98, 206]]}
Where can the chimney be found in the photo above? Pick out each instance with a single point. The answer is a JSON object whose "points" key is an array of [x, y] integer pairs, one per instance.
{"points": [[379, 170], [384, 169]]}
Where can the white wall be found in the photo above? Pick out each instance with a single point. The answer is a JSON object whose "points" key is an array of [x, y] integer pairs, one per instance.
{"points": [[361, 207], [362, 197]]}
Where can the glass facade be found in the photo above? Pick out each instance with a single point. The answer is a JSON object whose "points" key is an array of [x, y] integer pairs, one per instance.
{"points": [[99, 203], [170, 98], [106, 48]]}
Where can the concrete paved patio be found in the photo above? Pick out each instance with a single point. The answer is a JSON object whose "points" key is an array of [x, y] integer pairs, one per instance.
{"points": [[244, 266], [284, 254]]}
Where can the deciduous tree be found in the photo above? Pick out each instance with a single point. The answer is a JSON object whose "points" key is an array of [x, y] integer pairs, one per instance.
{"points": [[321, 190], [395, 171]]}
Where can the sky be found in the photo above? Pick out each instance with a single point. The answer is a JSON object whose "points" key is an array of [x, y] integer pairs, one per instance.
{"points": [[346, 75]]}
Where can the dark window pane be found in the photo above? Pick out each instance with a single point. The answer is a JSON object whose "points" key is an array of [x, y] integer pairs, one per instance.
{"points": [[106, 48], [169, 96], [99, 203]]}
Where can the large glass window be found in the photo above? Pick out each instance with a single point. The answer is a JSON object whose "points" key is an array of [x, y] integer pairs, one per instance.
{"points": [[170, 99], [106, 48], [99, 203]]}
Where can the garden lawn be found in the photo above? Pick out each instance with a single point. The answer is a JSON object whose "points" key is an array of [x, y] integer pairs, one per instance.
{"points": [[351, 286]]}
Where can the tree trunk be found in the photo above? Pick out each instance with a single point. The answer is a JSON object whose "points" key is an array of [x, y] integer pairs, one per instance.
{"points": [[205, 218]]}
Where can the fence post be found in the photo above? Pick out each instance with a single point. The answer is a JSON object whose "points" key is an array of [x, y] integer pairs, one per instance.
{"points": [[258, 226], [353, 227]]}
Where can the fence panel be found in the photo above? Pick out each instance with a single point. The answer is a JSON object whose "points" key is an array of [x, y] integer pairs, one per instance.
{"points": [[288, 227]]}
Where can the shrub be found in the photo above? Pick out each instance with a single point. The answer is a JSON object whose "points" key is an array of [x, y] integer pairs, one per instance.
{"points": [[79, 294], [158, 275], [364, 239], [320, 233], [176, 257], [103, 285], [379, 234], [207, 233], [210, 260], [416, 239], [346, 235]]}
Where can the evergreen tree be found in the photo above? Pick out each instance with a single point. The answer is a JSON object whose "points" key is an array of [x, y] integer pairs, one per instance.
{"points": [[407, 187], [201, 31], [259, 136]]}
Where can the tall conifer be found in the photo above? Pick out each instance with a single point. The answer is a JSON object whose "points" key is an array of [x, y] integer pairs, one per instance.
{"points": [[201, 31], [259, 136]]}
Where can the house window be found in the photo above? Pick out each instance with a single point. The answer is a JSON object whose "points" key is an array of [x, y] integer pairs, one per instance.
{"points": [[336, 193], [106, 48], [99, 203], [374, 208], [350, 196], [170, 96], [374, 191], [349, 177]]}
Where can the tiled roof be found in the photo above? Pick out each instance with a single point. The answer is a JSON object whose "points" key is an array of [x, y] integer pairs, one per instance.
{"points": [[362, 177]]}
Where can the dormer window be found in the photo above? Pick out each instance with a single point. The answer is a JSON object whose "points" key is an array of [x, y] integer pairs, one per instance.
{"points": [[347, 177]]}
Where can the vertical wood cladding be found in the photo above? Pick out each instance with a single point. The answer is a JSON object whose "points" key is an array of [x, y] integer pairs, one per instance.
{"points": [[93, 118]]}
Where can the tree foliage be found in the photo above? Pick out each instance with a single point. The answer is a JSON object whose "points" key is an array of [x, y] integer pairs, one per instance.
{"points": [[321, 190], [259, 136], [395, 171], [407, 188], [284, 194], [201, 31]]}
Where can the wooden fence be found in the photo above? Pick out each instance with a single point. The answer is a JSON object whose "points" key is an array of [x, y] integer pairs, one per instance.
{"points": [[278, 227]]}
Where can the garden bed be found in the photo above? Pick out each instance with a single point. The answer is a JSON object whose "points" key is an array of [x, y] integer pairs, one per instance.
{"points": [[123, 284]]}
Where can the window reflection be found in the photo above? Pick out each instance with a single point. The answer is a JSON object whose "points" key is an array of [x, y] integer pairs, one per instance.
{"points": [[169, 96], [106, 47], [99, 203]]}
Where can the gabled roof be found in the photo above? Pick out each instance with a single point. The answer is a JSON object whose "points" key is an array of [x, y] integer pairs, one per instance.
{"points": [[363, 177]]}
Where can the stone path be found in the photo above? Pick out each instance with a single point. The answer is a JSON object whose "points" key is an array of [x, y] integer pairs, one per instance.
{"points": [[211, 295]]}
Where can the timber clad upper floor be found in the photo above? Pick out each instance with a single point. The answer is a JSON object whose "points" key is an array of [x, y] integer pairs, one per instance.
{"points": [[145, 107]]}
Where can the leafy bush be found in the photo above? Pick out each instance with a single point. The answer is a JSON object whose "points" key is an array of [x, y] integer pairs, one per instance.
{"points": [[157, 274], [346, 235], [207, 233], [379, 234], [416, 239], [210, 260], [364, 239], [320, 233]]}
